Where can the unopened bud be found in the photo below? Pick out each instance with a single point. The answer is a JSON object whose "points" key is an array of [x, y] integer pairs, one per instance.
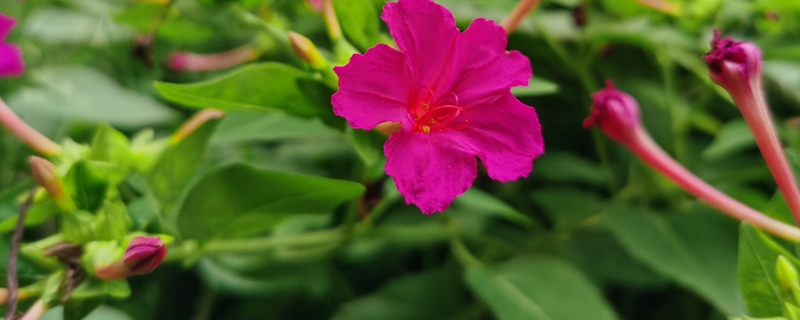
{"points": [[143, 255], [45, 175], [307, 51], [786, 274], [616, 113], [188, 61], [733, 65]]}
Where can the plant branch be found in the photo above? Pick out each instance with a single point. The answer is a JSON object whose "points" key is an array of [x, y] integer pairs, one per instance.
{"points": [[11, 270]]}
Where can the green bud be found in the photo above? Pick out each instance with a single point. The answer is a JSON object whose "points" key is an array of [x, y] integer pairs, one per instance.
{"points": [[786, 274]]}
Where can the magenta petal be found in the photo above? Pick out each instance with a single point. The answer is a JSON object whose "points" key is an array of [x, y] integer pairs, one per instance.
{"points": [[430, 170], [373, 88], [426, 32], [507, 136], [6, 24], [11, 63], [485, 68]]}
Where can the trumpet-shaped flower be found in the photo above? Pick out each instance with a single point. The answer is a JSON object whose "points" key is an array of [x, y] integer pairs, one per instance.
{"points": [[11, 63], [450, 91]]}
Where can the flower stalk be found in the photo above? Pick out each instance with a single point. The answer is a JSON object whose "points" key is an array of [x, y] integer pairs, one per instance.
{"points": [[29, 136], [512, 21], [195, 122], [194, 62], [617, 114], [736, 66]]}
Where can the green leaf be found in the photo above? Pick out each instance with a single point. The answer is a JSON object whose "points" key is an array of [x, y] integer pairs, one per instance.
{"points": [[758, 254], [86, 94], [87, 29], [536, 87], [78, 309], [112, 222], [535, 289], [430, 295], [247, 126], [694, 249], [484, 206], [368, 144], [101, 313], [239, 200], [359, 21], [86, 185], [567, 167], [176, 167], [78, 226], [260, 87], [732, 137], [568, 207], [256, 276], [110, 145]]}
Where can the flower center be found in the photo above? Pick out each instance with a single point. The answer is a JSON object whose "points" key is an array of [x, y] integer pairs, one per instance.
{"points": [[434, 116]]}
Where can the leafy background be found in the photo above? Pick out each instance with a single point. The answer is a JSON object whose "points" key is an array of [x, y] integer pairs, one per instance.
{"points": [[591, 234]]}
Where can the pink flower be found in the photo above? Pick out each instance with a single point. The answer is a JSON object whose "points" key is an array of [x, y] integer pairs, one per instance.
{"points": [[733, 65], [450, 91], [616, 113], [11, 63]]}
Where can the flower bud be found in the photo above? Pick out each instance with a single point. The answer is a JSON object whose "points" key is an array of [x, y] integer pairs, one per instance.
{"points": [[142, 256], [188, 61], [616, 112], [786, 274], [733, 64], [45, 175], [307, 51]]}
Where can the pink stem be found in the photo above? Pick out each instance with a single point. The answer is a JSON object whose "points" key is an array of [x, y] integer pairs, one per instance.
{"points": [[24, 132], [195, 122], [523, 8], [647, 149], [756, 113], [35, 312]]}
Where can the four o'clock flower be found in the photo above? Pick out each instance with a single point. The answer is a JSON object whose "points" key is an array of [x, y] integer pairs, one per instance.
{"points": [[736, 66], [617, 114], [450, 92], [11, 63]]}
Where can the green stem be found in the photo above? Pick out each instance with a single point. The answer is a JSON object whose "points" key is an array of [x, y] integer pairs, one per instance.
{"points": [[263, 244]]}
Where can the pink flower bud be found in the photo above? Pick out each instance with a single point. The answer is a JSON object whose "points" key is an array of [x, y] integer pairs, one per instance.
{"points": [[732, 64], [616, 112], [142, 256]]}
